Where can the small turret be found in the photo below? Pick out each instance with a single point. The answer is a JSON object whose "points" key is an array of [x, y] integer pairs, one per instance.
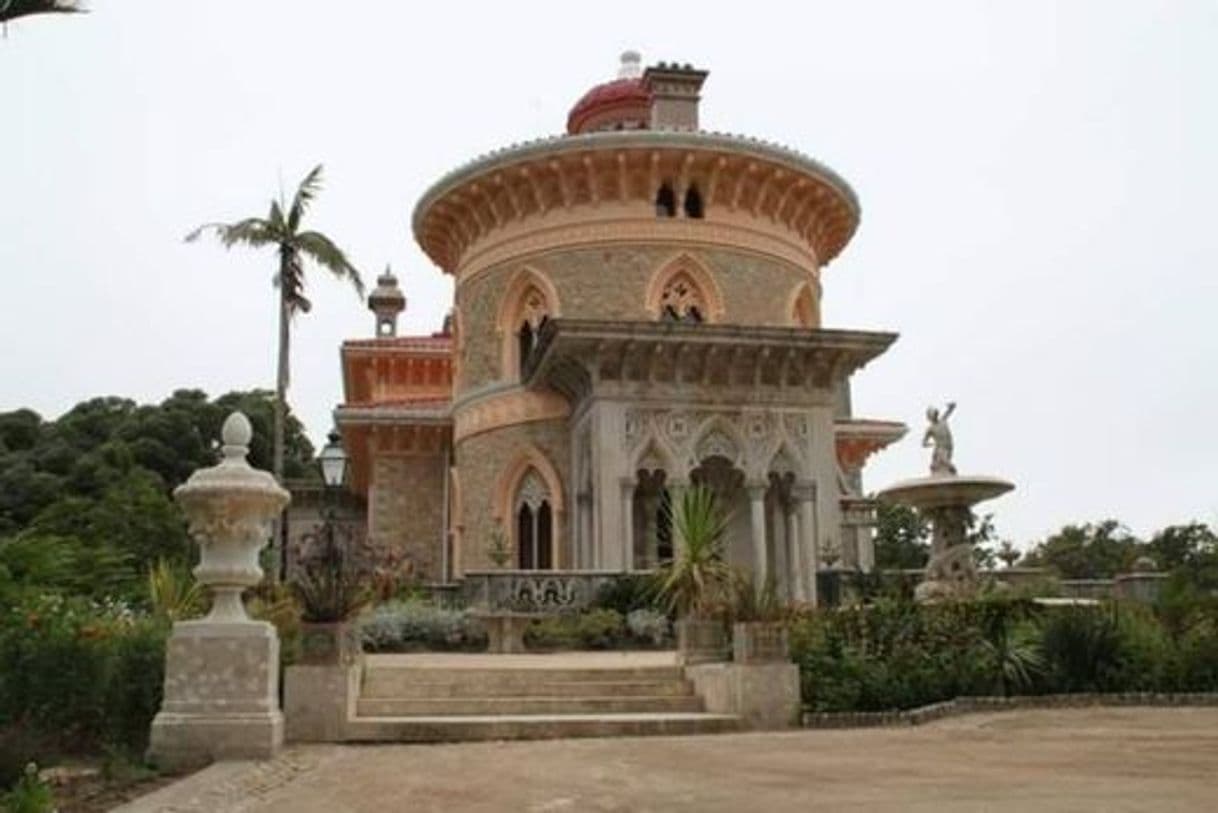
{"points": [[387, 301]]}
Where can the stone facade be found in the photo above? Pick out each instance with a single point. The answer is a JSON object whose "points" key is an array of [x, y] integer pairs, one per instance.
{"points": [[612, 285], [482, 461], [406, 509], [610, 282]]}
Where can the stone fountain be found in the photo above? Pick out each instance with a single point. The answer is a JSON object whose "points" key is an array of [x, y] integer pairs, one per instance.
{"points": [[221, 698], [946, 499]]}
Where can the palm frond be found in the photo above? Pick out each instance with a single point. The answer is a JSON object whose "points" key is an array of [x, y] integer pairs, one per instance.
{"points": [[321, 249], [253, 231], [305, 193], [275, 217], [12, 9]]}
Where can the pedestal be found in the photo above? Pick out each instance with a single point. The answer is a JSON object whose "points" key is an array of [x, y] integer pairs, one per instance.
{"points": [[505, 630], [221, 695], [765, 696]]}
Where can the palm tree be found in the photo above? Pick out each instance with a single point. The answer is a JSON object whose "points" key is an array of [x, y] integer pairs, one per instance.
{"points": [[294, 246]]}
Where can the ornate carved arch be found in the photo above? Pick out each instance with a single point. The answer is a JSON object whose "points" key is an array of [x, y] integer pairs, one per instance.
{"points": [[718, 437], [528, 458], [530, 470], [785, 460], [685, 267], [529, 292], [651, 454], [802, 306]]}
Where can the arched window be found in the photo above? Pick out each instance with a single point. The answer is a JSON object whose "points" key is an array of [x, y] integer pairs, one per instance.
{"points": [[693, 202], [682, 301], [528, 303], [534, 524], [666, 201]]}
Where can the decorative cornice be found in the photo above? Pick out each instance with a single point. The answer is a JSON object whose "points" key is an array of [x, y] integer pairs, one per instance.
{"points": [[577, 356], [858, 439], [734, 175]]}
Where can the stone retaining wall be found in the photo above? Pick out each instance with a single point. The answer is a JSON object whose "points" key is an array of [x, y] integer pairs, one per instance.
{"points": [[968, 705]]}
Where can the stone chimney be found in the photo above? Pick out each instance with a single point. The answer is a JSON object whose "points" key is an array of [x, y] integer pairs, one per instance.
{"points": [[674, 93]]}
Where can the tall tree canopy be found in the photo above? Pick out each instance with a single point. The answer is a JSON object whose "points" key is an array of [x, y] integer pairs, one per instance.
{"points": [[86, 499]]}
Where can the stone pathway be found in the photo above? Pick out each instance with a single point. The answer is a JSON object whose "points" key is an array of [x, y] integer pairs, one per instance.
{"points": [[1109, 759]]}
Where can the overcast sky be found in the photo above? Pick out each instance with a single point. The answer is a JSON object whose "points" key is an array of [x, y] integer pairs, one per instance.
{"points": [[1037, 179]]}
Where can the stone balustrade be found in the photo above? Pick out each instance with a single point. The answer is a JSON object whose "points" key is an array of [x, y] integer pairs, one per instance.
{"points": [[536, 591]]}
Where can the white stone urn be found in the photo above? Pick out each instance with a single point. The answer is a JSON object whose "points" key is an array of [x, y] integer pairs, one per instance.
{"points": [[221, 698], [230, 508]]}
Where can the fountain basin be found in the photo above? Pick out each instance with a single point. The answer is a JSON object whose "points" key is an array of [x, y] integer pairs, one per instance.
{"points": [[945, 491]]}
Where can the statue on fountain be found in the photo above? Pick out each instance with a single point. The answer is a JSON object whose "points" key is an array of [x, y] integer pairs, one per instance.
{"points": [[945, 499], [939, 435]]}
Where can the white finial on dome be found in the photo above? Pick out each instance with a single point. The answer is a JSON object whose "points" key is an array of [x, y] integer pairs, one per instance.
{"points": [[632, 65]]}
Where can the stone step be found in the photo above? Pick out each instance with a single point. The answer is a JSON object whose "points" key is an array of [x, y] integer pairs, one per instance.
{"points": [[534, 727], [404, 689], [388, 681], [465, 706]]}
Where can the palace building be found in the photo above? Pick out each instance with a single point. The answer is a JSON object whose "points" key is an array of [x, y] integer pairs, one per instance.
{"points": [[637, 309]]}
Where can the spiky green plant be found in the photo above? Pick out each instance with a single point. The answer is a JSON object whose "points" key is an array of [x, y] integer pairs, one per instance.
{"points": [[698, 579], [281, 228], [173, 592], [753, 603]]}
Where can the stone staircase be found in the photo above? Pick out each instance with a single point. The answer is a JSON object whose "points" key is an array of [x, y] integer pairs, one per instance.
{"points": [[448, 698]]}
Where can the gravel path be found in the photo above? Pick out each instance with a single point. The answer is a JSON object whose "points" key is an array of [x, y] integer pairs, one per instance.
{"points": [[1109, 759]]}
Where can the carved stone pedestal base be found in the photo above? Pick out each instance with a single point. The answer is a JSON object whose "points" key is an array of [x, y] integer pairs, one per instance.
{"points": [[221, 695]]}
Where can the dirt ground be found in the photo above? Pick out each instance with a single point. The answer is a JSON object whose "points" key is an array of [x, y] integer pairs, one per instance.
{"points": [[1106, 759]]}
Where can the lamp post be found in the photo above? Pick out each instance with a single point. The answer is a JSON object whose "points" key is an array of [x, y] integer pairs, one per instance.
{"points": [[333, 461], [333, 464]]}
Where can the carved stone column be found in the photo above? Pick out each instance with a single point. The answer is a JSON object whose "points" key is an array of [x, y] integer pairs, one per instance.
{"points": [[583, 501], [757, 517], [809, 558], [627, 530], [676, 494], [221, 698], [790, 538]]}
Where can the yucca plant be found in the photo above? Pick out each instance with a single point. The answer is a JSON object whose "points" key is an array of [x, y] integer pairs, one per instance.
{"points": [[750, 604], [698, 579], [173, 592], [1017, 657], [329, 587]]}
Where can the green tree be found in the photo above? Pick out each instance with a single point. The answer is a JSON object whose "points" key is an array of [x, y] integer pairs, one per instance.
{"points": [[1092, 551], [902, 538], [281, 228], [1189, 551]]}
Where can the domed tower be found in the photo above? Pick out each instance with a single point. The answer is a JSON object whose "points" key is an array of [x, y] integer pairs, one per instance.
{"points": [[637, 310]]}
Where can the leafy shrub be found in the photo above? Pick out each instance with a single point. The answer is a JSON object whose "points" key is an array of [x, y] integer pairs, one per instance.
{"points": [[412, 626], [81, 674], [1082, 648], [893, 654], [627, 593], [30, 794], [649, 626], [594, 629]]}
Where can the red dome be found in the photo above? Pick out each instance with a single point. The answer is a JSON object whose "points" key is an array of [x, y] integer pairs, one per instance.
{"points": [[616, 102]]}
